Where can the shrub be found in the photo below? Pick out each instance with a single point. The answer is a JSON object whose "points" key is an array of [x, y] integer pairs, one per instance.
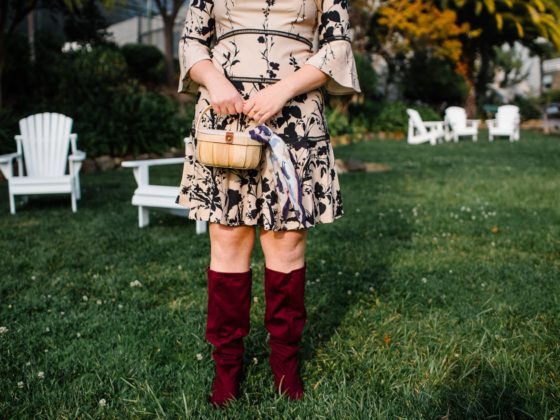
{"points": [[8, 128], [529, 108], [433, 81], [140, 122], [113, 112], [337, 122], [393, 116], [145, 62], [367, 76], [93, 76]]}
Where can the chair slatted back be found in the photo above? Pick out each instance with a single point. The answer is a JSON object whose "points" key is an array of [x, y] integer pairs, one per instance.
{"points": [[507, 116], [416, 121], [456, 116], [45, 142]]}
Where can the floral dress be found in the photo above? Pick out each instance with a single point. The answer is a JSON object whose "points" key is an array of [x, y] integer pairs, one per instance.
{"points": [[256, 43]]}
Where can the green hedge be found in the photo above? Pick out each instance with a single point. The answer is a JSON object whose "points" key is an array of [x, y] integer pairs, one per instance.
{"points": [[111, 96]]}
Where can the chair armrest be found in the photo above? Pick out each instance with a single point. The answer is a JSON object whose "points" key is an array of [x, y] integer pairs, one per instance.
{"points": [[141, 168], [473, 123], [77, 156], [7, 164], [151, 162], [9, 157], [491, 123]]}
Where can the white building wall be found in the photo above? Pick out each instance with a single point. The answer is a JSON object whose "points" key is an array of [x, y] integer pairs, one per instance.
{"points": [[130, 30]]}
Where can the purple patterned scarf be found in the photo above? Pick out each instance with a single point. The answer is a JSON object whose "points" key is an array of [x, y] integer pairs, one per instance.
{"points": [[288, 185]]}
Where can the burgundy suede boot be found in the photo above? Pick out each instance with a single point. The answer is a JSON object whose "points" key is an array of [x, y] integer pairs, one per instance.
{"points": [[229, 303], [285, 318]]}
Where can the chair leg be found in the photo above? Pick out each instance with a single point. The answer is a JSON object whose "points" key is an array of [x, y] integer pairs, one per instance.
{"points": [[200, 227], [12, 204], [73, 200], [143, 216], [77, 188]]}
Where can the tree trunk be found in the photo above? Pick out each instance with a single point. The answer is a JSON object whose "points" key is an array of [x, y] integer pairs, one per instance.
{"points": [[31, 35], [484, 74], [168, 42], [544, 100], [2, 61], [466, 69]]}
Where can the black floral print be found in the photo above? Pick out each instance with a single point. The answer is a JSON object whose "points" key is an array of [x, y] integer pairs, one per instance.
{"points": [[255, 43]]}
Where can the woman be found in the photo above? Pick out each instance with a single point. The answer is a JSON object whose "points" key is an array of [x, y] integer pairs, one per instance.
{"points": [[254, 62]]}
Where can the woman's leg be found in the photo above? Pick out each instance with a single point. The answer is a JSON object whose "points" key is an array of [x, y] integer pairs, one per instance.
{"points": [[229, 303], [284, 250], [231, 247], [285, 315]]}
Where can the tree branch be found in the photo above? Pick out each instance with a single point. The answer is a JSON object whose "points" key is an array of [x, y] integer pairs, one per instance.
{"points": [[162, 8], [20, 15]]}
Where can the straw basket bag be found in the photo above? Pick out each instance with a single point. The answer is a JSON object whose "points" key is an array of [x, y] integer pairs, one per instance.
{"points": [[226, 149]]}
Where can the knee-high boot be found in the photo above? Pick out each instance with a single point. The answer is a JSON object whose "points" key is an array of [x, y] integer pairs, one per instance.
{"points": [[229, 303], [285, 318]]}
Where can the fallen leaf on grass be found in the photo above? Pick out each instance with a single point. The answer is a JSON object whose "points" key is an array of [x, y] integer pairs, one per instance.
{"points": [[494, 229], [387, 339]]}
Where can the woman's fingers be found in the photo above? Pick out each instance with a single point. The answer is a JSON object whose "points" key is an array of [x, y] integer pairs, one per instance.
{"points": [[264, 118], [225, 98], [239, 105], [230, 108], [248, 106]]}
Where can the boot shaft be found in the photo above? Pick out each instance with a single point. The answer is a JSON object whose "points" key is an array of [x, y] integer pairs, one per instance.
{"points": [[229, 305], [285, 313]]}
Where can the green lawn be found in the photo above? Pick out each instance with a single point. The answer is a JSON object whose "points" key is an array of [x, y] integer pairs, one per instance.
{"points": [[435, 296]]}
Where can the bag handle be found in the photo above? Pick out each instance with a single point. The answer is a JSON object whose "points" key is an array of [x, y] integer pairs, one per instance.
{"points": [[200, 118]]}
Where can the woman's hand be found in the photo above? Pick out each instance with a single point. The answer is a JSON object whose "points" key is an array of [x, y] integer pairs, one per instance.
{"points": [[224, 97], [270, 100], [262, 105]]}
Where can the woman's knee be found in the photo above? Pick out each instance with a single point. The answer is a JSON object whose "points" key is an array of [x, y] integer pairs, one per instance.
{"points": [[284, 249], [231, 245]]}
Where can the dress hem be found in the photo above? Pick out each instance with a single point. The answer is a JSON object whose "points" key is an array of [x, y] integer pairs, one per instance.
{"points": [[192, 215]]}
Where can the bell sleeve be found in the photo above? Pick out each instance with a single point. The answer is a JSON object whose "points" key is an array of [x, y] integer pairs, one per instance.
{"points": [[195, 41], [334, 56]]}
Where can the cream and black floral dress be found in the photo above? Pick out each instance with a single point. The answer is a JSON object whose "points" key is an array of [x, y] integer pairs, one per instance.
{"points": [[255, 43]]}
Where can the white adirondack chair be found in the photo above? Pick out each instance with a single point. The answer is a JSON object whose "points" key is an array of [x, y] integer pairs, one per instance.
{"points": [[43, 145], [457, 125], [505, 124], [423, 131], [160, 197]]}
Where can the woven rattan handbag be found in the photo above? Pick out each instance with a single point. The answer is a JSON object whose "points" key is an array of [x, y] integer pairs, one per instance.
{"points": [[226, 149]]}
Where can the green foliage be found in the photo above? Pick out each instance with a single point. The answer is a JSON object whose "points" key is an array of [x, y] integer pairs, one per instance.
{"points": [[145, 62], [433, 81], [337, 122], [393, 117], [113, 112], [141, 121], [530, 108], [86, 23], [8, 128], [367, 76], [551, 96], [93, 75], [17, 78]]}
